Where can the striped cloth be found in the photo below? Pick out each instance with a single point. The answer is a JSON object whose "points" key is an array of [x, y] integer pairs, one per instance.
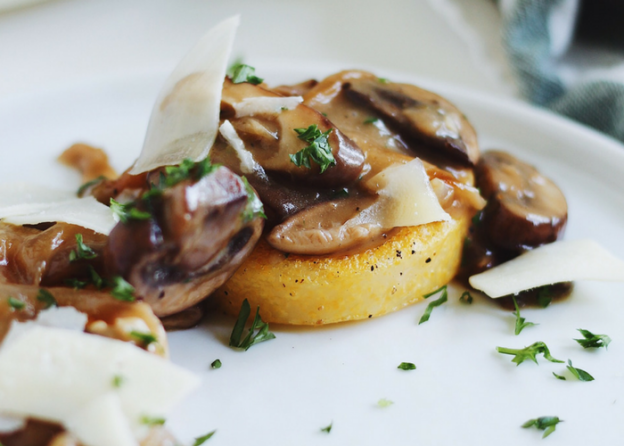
{"points": [[568, 56]]}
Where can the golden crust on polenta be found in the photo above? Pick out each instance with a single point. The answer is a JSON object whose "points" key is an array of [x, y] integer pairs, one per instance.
{"points": [[304, 290]]}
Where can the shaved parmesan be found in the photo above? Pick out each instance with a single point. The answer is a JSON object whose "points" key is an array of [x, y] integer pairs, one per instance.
{"points": [[407, 198], [247, 162], [266, 105], [101, 422], [185, 118], [11, 424], [55, 375], [557, 262], [19, 198]]}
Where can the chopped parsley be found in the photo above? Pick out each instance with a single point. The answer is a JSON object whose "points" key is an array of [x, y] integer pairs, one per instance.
{"points": [[46, 298], [216, 364], [383, 80], [82, 189], [254, 206], [117, 381], [244, 73], [370, 120], [152, 421], [328, 428], [251, 339], [144, 338], [82, 251], [593, 340], [76, 284], [581, 375], [546, 424], [407, 366], [96, 279], [466, 298], [318, 149], [122, 290], [530, 352], [127, 212], [204, 438], [384, 403], [435, 303], [520, 321], [544, 296], [563, 378], [16, 304]]}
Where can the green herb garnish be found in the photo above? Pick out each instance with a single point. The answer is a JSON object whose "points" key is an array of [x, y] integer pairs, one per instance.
{"points": [[216, 364], [251, 339], [328, 428], [435, 303], [530, 352], [204, 438], [593, 340], [407, 366], [546, 424], [75, 283], [581, 375], [370, 120], [466, 298], [245, 73], [82, 251], [382, 80], [127, 212], [384, 403], [117, 381], [254, 206], [563, 378], [318, 150], [81, 190], [122, 290], [96, 279], [46, 297], [520, 321], [16, 304], [544, 296], [152, 421], [145, 338]]}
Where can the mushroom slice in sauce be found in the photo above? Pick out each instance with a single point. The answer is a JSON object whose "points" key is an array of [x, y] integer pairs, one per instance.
{"points": [[420, 114], [272, 139], [525, 209], [199, 233]]}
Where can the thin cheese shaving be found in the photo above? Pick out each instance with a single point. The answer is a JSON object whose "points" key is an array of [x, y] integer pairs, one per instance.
{"points": [[557, 262], [247, 163], [266, 105], [185, 118]]}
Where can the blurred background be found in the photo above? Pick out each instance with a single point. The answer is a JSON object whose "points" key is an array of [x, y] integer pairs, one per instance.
{"points": [[561, 54]]}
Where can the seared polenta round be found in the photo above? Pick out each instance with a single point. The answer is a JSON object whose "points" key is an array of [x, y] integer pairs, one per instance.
{"points": [[315, 290]]}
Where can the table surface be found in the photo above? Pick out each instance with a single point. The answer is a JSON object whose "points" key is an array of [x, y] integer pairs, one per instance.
{"points": [[62, 42]]}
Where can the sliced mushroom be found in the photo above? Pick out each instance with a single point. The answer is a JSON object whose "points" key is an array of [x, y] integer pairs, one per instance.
{"points": [[184, 319], [525, 209], [420, 114], [326, 228], [297, 89], [199, 233], [272, 139]]}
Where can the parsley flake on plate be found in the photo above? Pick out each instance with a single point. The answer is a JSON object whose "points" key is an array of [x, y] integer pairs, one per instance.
{"points": [[546, 424], [328, 429], [252, 338], [407, 366], [592, 340], [152, 421], [245, 73], [466, 298], [145, 338], [318, 149], [435, 303], [520, 321], [216, 364], [204, 438], [383, 403], [581, 375], [16, 304], [117, 381], [530, 352], [563, 378]]}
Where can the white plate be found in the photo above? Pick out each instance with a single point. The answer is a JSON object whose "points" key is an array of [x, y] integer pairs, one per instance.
{"points": [[284, 391]]}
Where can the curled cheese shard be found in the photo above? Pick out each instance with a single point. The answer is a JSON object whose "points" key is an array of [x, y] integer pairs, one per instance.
{"points": [[52, 373], [22, 204], [247, 163], [557, 262], [266, 105], [185, 117], [406, 198]]}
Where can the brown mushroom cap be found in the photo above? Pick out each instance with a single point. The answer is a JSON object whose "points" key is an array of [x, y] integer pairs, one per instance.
{"points": [[198, 236], [420, 114], [525, 209]]}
